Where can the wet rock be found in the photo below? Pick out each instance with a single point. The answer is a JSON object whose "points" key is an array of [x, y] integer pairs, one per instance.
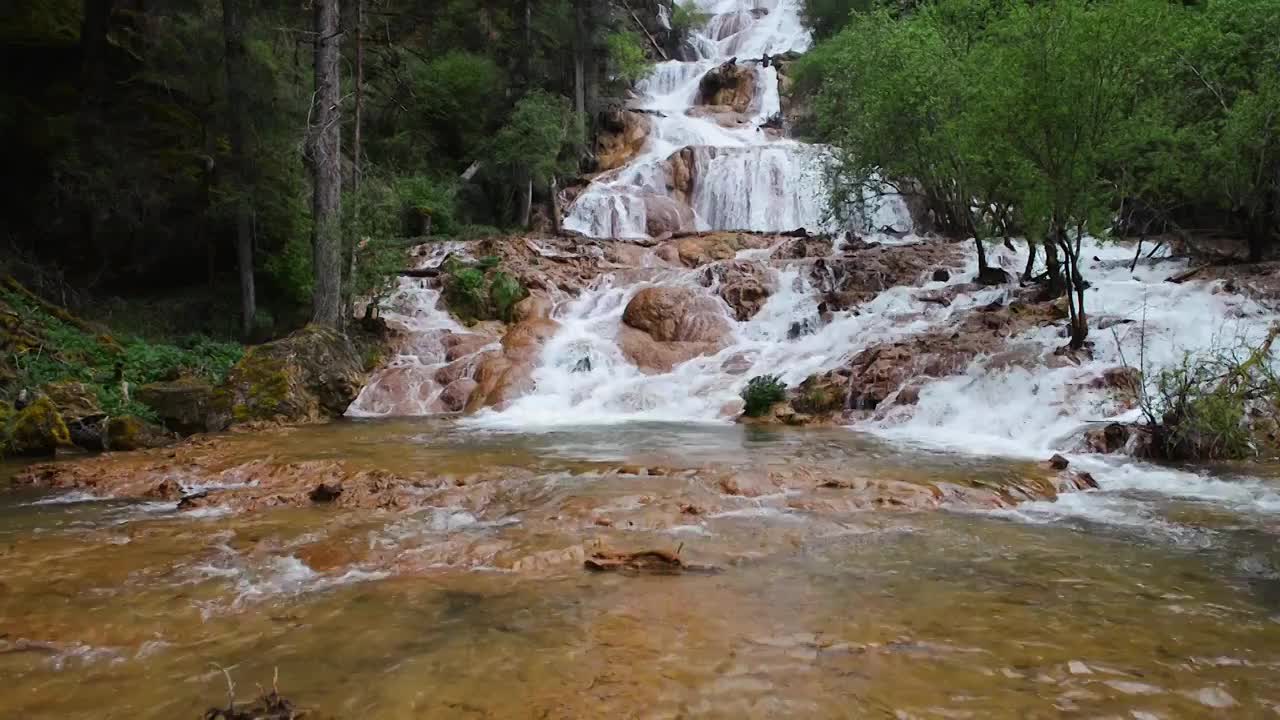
{"points": [[38, 429], [821, 395], [168, 489], [461, 345], [326, 492], [455, 395], [665, 215], [810, 246], [729, 84], [651, 355], [800, 328], [941, 275], [502, 376], [1124, 379], [867, 270], [676, 314], [1057, 462], [698, 250], [310, 375], [1110, 438], [743, 285], [127, 433], [621, 135], [185, 406], [646, 562], [534, 307], [582, 366]]}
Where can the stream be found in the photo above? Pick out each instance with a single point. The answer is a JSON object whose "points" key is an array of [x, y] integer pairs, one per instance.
{"points": [[918, 562]]}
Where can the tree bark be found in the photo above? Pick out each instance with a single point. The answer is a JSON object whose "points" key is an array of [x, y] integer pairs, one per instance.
{"points": [[326, 170], [356, 166], [233, 24], [581, 48], [1031, 261]]}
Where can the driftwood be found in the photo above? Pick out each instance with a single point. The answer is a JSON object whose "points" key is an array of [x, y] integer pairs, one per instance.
{"points": [[1186, 275]]}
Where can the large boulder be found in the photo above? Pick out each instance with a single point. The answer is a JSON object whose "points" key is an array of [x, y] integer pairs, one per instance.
{"points": [[502, 376], [621, 136], [698, 250], [185, 406], [664, 326], [676, 314], [729, 84], [308, 376], [38, 429], [77, 403]]}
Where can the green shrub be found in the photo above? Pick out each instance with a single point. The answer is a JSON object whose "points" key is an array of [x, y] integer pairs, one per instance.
{"points": [[686, 17], [761, 393], [626, 54], [504, 292]]}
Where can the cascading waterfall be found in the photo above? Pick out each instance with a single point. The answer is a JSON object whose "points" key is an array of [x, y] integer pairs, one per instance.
{"points": [[746, 179], [752, 180]]}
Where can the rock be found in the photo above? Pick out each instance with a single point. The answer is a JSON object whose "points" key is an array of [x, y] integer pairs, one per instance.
{"points": [[75, 400], [500, 377], [534, 307], [729, 84], [168, 489], [676, 314], [1057, 462], [184, 406], [814, 246], [822, 395], [941, 275], [666, 215], [865, 270], [127, 433], [326, 492], [1108, 439], [745, 286], [310, 375], [455, 394], [651, 355], [461, 345], [621, 135], [723, 115], [1124, 379], [38, 429]]}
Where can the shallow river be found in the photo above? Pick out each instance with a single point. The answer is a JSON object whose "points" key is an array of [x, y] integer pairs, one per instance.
{"points": [[118, 609]]}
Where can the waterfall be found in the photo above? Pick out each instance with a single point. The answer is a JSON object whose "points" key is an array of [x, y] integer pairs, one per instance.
{"points": [[746, 178]]}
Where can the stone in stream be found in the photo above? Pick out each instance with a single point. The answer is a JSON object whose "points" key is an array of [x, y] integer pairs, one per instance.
{"points": [[1057, 462]]}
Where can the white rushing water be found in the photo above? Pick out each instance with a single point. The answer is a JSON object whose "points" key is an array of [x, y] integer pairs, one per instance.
{"points": [[744, 177]]}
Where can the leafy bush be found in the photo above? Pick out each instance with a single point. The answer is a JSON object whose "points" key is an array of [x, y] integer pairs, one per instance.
{"points": [[761, 393], [505, 291], [627, 58], [1214, 405], [686, 17]]}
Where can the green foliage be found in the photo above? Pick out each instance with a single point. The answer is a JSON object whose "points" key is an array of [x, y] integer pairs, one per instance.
{"points": [[481, 291], [627, 59], [687, 17], [65, 351], [538, 136], [761, 393], [504, 292], [826, 18]]}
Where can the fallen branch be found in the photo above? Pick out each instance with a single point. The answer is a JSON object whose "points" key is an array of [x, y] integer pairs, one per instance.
{"points": [[645, 30], [1187, 275]]}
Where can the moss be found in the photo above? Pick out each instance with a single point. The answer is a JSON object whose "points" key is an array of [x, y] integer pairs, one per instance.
{"points": [[6, 419], [38, 429], [262, 384], [817, 398]]}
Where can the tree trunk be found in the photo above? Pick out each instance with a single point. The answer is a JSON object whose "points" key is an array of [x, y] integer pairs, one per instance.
{"points": [[356, 166], [1031, 262], [326, 170], [1053, 265], [581, 45], [526, 200], [557, 214], [233, 24]]}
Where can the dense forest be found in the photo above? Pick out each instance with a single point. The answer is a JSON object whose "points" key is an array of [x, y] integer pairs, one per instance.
{"points": [[192, 153]]}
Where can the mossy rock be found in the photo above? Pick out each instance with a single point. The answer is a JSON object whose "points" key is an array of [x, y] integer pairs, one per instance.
{"points": [[185, 405], [38, 430], [819, 395], [128, 432], [74, 400], [312, 374], [6, 417]]}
